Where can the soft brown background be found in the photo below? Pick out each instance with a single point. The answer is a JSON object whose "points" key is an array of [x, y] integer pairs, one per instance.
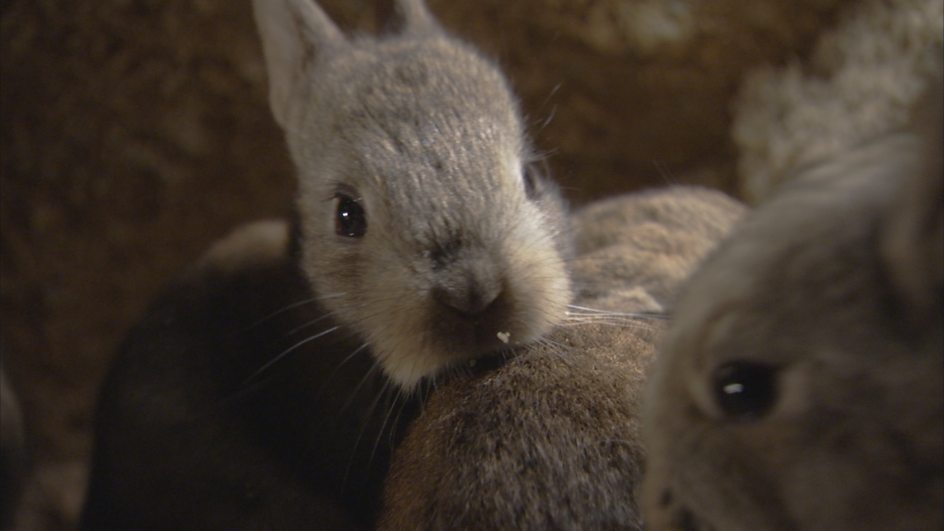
{"points": [[135, 132]]}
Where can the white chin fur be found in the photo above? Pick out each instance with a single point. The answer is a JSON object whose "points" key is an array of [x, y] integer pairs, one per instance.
{"points": [[407, 371]]}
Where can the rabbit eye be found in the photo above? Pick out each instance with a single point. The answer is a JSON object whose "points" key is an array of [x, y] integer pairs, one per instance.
{"points": [[744, 390], [349, 218]]}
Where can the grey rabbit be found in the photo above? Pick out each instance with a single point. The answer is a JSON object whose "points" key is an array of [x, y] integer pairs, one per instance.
{"points": [[424, 227], [801, 385], [550, 439], [248, 396]]}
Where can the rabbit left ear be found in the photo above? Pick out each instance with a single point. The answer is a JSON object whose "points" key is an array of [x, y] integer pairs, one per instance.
{"points": [[292, 33], [912, 237]]}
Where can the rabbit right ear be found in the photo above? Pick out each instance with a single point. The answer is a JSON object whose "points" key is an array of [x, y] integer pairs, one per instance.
{"points": [[292, 33], [407, 16]]}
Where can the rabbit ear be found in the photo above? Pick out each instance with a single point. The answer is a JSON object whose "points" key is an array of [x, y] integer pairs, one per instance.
{"points": [[412, 16], [292, 33], [913, 232]]}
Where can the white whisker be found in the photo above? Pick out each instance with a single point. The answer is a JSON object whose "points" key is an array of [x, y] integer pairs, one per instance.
{"points": [[287, 351], [295, 305], [307, 324]]}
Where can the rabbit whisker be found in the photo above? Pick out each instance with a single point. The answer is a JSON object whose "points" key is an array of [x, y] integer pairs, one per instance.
{"points": [[287, 351]]}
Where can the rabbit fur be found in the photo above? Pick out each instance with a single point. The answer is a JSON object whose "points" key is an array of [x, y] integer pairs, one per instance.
{"points": [[802, 382]]}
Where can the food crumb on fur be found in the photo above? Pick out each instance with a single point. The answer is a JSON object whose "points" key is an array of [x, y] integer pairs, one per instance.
{"points": [[504, 337]]}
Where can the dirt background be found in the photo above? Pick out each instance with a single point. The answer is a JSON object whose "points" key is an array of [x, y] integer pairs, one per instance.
{"points": [[135, 132]]}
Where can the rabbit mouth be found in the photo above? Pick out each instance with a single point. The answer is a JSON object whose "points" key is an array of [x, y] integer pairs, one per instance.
{"points": [[445, 343], [478, 334]]}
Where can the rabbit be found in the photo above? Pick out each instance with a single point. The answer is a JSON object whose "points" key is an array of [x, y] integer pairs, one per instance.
{"points": [[424, 224], [549, 438], [423, 238], [801, 385]]}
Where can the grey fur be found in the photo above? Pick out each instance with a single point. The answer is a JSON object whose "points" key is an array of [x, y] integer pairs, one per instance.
{"points": [[425, 133], [837, 284]]}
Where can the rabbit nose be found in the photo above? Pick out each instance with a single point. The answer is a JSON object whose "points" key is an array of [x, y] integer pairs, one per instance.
{"points": [[470, 295]]}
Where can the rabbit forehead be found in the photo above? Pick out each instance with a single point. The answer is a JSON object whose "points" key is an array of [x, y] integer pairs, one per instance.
{"points": [[793, 289], [402, 84], [431, 123], [438, 158]]}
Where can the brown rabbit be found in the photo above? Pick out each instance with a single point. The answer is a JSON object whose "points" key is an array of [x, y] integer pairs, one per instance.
{"points": [[802, 383], [550, 439]]}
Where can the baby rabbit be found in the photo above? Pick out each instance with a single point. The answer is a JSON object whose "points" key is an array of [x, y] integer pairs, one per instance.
{"points": [[550, 438], [424, 228], [802, 382]]}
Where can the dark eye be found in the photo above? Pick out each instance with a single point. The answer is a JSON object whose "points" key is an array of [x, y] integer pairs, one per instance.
{"points": [[349, 218], [745, 390]]}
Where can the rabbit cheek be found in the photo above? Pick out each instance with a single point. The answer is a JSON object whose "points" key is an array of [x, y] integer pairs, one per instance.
{"points": [[398, 333], [539, 282]]}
